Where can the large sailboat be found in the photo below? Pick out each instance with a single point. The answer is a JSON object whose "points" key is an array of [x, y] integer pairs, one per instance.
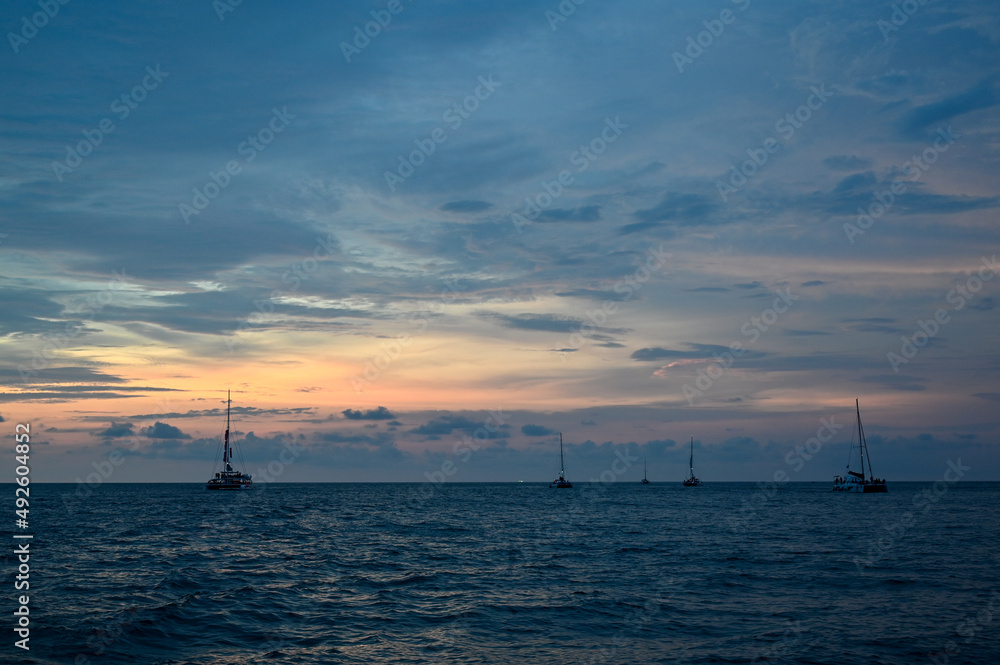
{"points": [[854, 481], [561, 480], [692, 481], [229, 478], [645, 480]]}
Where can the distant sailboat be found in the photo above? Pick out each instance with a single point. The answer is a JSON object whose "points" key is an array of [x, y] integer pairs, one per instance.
{"points": [[692, 481], [644, 481], [854, 481], [229, 478], [561, 480]]}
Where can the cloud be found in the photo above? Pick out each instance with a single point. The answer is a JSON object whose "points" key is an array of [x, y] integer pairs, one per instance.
{"points": [[160, 430], [381, 413], [846, 163], [699, 351], [466, 205], [896, 381], [859, 182], [244, 412], [537, 430], [444, 425], [591, 213], [927, 117], [117, 431], [555, 323], [377, 440], [876, 324], [684, 209], [54, 375], [540, 322], [984, 304]]}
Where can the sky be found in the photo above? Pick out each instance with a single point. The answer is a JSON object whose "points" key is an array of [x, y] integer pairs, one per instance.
{"points": [[419, 240]]}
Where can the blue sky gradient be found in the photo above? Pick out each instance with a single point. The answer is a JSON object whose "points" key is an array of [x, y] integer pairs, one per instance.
{"points": [[628, 223]]}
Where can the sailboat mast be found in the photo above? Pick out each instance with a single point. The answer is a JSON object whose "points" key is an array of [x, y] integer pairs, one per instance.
{"points": [[864, 448], [691, 461], [861, 438], [225, 449], [562, 465]]}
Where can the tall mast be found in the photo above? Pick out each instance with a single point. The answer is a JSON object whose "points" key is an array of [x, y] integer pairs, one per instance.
{"points": [[562, 465], [861, 437], [864, 446], [691, 462], [225, 449]]}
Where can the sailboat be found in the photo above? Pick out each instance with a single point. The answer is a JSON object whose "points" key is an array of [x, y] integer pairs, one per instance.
{"points": [[229, 478], [645, 480], [561, 480], [854, 481], [692, 481]]}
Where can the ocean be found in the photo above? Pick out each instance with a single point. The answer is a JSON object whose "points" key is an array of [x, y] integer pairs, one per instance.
{"points": [[511, 573]]}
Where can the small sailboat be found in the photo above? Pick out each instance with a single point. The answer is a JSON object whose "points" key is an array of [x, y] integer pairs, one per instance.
{"points": [[229, 478], [561, 480], [854, 481], [692, 481], [645, 480]]}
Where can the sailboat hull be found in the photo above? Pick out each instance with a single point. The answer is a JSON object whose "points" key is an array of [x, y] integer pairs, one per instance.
{"points": [[859, 486], [228, 488]]}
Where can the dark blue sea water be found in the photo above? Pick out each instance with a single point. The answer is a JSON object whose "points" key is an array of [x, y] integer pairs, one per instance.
{"points": [[512, 573]]}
